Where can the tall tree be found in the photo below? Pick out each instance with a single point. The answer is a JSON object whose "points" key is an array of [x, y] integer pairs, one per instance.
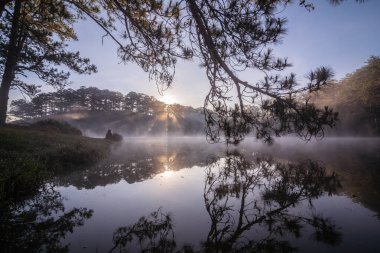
{"points": [[357, 99], [33, 41], [227, 37]]}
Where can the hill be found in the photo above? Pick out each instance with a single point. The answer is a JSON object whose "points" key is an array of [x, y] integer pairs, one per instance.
{"points": [[30, 154], [94, 111], [357, 100], [174, 120]]}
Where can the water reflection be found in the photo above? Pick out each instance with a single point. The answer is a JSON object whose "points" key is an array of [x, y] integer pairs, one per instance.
{"points": [[240, 201], [138, 161], [39, 223], [243, 195], [240, 194], [355, 160], [153, 233]]}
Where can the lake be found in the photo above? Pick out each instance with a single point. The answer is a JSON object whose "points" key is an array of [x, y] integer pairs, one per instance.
{"points": [[185, 195]]}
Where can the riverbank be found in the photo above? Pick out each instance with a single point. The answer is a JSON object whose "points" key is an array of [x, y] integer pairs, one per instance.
{"points": [[28, 156]]}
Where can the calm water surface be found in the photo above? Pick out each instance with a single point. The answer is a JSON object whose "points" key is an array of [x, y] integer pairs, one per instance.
{"points": [[184, 195]]}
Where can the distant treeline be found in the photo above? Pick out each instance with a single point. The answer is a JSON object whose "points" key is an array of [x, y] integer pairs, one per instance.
{"points": [[85, 99], [357, 100], [94, 111]]}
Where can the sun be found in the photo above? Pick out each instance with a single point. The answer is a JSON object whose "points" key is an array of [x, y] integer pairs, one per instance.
{"points": [[167, 173], [168, 99]]}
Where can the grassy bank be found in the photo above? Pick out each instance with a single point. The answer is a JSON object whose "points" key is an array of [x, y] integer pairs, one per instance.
{"points": [[28, 156]]}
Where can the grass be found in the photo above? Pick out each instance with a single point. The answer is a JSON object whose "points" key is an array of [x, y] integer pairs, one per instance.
{"points": [[52, 149], [55, 126], [28, 155]]}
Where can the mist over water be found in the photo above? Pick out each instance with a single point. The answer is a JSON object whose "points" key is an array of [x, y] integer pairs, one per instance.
{"points": [[147, 179], [332, 182]]}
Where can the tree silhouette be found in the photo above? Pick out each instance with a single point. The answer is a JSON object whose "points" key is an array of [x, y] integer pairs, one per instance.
{"points": [[227, 37], [33, 42], [154, 233], [38, 223], [241, 194], [85, 98], [356, 98]]}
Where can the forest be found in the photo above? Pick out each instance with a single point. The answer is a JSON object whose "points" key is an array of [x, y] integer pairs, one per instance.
{"points": [[90, 169], [84, 99], [94, 111], [356, 99]]}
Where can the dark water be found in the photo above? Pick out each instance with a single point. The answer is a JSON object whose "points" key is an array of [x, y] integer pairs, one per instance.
{"points": [[184, 195]]}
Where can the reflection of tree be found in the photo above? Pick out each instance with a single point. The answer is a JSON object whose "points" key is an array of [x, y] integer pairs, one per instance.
{"points": [[153, 233], [39, 223], [139, 161], [242, 195], [356, 160]]}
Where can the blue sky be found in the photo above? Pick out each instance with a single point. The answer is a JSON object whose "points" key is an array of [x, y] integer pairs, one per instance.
{"points": [[342, 37]]}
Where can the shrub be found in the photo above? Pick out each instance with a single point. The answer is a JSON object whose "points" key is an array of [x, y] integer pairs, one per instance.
{"points": [[20, 177], [74, 156], [116, 137]]}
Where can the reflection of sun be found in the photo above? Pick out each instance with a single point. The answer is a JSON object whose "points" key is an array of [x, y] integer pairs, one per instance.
{"points": [[168, 99], [167, 173]]}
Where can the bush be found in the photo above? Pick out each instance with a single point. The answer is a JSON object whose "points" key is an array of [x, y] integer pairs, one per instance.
{"points": [[28, 158], [51, 125], [20, 177], [116, 137], [78, 155]]}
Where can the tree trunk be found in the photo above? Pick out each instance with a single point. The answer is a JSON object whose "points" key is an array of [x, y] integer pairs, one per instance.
{"points": [[2, 6], [4, 91], [10, 63]]}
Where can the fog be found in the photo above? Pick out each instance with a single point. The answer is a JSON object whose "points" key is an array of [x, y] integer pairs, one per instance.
{"points": [[140, 159], [354, 159]]}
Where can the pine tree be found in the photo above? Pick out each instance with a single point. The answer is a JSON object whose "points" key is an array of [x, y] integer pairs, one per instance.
{"points": [[33, 42], [227, 37]]}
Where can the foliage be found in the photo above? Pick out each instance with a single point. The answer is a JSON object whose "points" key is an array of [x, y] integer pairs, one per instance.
{"points": [[52, 151], [33, 43], [72, 157], [20, 177], [154, 233], [143, 161], [264, 190], [33, 217], [38, 223], [97, 110], [227, 37], [116, 137], [91, 99], [241, 194], [55, 126], [356, 98]]}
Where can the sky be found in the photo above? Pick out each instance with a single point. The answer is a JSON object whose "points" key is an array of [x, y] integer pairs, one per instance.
{"points": [[342, 37]]}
